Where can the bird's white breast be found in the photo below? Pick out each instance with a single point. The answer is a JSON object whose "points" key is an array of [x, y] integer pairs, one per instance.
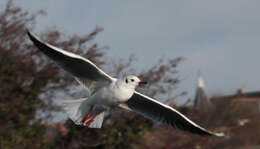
{"points": [[112, 94]]}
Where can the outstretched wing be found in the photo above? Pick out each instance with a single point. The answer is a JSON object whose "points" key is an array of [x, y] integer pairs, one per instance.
{"points": [[157, 111], [87, 73]]}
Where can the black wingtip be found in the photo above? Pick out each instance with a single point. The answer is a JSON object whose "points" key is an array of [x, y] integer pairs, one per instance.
{"points": [[219, 134], [29, 34], [34, 39]]}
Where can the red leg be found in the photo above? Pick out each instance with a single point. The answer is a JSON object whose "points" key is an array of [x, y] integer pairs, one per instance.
{"points": [[91, 121], [87, 115]]}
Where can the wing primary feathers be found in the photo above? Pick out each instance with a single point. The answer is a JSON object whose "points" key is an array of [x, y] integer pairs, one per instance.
{"points": [[157, 111], [81, 68]]}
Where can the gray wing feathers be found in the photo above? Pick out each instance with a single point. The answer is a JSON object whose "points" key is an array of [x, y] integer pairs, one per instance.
{"points": [[91, 85], [79, 67], [157, 111]]}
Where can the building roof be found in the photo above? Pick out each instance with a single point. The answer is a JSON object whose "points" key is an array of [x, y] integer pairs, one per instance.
{"points": [[246, 98], [240, 96]]}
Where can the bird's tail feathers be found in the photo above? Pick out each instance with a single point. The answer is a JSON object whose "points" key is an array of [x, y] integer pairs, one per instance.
{"points": [[97, 123], [83, 114]]}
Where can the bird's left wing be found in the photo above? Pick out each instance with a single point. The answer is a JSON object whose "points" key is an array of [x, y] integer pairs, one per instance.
{"points": [[86, 72], [157, 111]]}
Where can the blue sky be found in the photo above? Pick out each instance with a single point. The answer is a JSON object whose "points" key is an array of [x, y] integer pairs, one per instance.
{"points": [[220, 38]]}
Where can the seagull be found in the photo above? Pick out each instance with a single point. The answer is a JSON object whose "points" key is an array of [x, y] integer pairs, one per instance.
{"points": [[107, 92]]}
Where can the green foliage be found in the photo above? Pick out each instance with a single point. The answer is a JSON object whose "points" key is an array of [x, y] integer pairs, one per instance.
{"points": [[125, 131], [117, 132]]}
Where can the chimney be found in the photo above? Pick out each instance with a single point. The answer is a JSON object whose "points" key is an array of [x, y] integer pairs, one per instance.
{"points": [[240, 91]]}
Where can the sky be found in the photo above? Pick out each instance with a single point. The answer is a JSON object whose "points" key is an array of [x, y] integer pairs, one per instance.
{"points": [[219, 38]]}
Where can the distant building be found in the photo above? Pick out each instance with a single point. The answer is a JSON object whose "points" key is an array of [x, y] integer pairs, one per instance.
{"points": [[201, 100], [247, 98]]}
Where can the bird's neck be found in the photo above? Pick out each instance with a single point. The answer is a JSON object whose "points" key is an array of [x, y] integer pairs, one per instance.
{"points": [[125, 91]]}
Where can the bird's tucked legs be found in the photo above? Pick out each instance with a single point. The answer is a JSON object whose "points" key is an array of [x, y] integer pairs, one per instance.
{"points": [[88, 123], [87, 115]]}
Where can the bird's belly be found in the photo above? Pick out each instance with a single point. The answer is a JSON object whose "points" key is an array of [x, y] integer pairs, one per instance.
{"points": [[109, 97], [104, 99]]}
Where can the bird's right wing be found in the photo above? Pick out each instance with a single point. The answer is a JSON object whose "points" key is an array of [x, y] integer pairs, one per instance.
{"points": [[157, 111], [85, 72]]}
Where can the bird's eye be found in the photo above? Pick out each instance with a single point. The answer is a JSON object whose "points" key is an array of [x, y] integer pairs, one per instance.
{"points": [[126, 80], [132, 80]]}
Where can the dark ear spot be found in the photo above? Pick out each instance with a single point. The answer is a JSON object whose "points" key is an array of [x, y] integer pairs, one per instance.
{"points": [[126, 80]]}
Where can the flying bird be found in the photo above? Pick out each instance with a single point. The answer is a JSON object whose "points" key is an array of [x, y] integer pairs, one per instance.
{"points": [[107, 92]]}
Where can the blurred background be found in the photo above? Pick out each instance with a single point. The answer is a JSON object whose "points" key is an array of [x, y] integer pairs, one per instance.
{"points": [[199, 57]]}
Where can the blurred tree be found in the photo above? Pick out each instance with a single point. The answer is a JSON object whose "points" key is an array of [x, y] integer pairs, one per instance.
{"points": [[25, 74]]}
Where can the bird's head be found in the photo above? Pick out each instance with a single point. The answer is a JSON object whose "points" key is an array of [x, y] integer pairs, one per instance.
{"points": [[133, 81]]}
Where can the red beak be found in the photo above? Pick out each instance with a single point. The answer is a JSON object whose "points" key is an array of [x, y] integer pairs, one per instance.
{"points": [[142, 82]]}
